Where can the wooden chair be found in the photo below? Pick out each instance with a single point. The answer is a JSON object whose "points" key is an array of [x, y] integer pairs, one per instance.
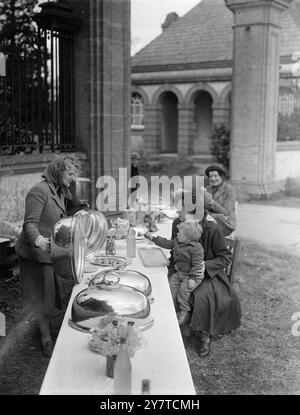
{"points": [[233, 245], [233, 233]]}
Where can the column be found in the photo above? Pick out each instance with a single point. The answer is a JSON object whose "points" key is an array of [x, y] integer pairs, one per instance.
{"points": [[152, 132], [102, 86], [185, 130], [255, 94], [221, 114]]}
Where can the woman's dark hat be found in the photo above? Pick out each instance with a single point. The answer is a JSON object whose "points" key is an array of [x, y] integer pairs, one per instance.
{"points": [[215, 167], [135, 156]]}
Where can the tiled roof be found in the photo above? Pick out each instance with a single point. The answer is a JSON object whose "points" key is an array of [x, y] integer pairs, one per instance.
{"points": [[205, 34]]}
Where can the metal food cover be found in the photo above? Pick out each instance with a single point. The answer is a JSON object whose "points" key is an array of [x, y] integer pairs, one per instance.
{"points": [[129, 277], [93, 303], [95, 231], [68, 248]]}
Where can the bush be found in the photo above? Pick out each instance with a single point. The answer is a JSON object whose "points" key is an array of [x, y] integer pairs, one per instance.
{"points": [[220, 144], [288, 127]]}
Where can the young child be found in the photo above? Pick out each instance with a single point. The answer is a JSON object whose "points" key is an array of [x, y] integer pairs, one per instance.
{"points": [[189, 264]]}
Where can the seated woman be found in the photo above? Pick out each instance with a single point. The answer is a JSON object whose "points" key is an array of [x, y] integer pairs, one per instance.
{"points": [[215, 305], [220, 199]]}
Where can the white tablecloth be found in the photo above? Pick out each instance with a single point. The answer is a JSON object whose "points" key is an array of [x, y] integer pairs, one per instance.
{"points": [[4, 240], [75, 369]]}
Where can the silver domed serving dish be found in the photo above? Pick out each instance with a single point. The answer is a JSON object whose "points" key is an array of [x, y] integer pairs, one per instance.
{"points": [[68, 248], [128, 277], [95, 231], [109, 297]]}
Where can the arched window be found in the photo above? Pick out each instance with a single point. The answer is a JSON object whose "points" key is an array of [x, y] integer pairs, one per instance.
{"points": [[137, 110]]}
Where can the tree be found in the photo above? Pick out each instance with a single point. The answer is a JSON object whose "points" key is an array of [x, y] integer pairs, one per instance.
{"points": [[220, 144], [17, 24], [23, 47]]}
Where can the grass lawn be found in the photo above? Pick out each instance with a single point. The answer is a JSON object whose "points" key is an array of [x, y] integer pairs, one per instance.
{"points": [[261, 357]]}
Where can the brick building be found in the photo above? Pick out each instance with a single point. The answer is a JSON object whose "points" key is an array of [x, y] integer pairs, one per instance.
{"points": [[219, 63]]}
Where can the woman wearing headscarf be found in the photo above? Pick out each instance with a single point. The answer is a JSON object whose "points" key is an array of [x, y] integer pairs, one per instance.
{"points": [[220, 199], [45, 205]]}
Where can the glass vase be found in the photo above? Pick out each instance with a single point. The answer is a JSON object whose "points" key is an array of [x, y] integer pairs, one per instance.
{"points": [[110, 364]]}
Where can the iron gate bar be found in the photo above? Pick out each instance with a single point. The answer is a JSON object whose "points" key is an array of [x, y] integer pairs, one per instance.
{"points": [[45, 63], [37, 94], [39, 104], [26, 90], [12, 96], [19, 92], [57, 120], [32, 98], [52, 91], [5, 109]]}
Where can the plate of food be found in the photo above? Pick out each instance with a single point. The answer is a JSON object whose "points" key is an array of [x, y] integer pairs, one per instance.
{"points": [[140, 232], [109, 261]]}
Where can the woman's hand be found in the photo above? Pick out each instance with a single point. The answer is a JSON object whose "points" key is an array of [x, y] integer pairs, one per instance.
{"points": [[207, 198], [148, 235], [191, 284], [43, 243]]}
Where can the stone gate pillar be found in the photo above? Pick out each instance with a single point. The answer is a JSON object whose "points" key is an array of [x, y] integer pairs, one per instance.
{"points": [[102, 85], [255, 93]]}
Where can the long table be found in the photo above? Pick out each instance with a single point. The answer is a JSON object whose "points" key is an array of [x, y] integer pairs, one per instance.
{"points": [[76, 370]]}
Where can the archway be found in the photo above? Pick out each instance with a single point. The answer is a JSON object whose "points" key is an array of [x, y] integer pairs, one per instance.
{"points": [[202, 122], [169, 122]]}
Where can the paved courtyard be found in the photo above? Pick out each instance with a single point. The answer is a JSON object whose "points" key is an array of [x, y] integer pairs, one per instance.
{"points": [[273, 226]]}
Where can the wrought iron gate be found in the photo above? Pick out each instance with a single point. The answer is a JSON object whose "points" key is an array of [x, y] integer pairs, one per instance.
{"points": [[37, 92]]}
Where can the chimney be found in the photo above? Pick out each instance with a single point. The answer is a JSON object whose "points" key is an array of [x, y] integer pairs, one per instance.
{"points": [[171, 17]]}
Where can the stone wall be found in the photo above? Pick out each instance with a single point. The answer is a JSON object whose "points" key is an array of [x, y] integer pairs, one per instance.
{"points": [[13, 189], [18, 174], [287, 162], [137, 141]]}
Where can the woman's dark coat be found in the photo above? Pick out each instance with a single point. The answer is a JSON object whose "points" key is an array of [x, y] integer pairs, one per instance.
{"points": [[43, 208], [40, 287], [216, 307]]}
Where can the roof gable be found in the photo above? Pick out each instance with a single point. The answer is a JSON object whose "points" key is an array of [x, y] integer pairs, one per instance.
{"points": [[205, 34]]}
